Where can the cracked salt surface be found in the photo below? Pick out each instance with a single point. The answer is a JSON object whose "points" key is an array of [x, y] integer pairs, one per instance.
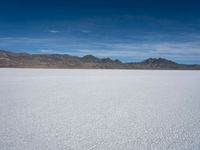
{"points": [[52, 109]]}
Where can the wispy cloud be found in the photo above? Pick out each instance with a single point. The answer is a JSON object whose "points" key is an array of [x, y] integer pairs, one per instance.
{"points": [[54, 31], [51, 51], [86, 31], [176, 50]]}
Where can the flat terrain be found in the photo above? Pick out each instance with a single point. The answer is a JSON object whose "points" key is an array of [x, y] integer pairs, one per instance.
{"points": [[52, 109]]}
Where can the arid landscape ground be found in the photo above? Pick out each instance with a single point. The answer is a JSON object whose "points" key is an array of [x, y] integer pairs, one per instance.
{"points": [[67, 109]]}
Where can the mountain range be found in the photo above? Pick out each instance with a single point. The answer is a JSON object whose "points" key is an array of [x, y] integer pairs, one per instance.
{"points": [[10, 59]]}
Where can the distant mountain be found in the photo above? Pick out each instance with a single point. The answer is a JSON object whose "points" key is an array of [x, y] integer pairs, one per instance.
{"points": [[25, 60], [159, 61]]}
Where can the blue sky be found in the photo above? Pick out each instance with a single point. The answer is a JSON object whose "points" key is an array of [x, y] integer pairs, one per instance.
{"points": [[127, 30]]}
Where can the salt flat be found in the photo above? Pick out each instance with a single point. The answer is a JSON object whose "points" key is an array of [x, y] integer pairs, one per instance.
{"points": [[52, 109]]}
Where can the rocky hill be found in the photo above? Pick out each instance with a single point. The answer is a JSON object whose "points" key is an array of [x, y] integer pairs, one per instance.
{"points": [[25, 60]]}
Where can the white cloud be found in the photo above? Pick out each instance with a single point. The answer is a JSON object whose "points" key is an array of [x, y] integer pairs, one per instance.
{"points": [[86, 31], [51, 51], [110, 48], [54, 31]]}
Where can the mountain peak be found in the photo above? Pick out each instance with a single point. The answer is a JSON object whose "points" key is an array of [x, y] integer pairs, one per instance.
{"points": [[90, 58], [158, 61]]}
